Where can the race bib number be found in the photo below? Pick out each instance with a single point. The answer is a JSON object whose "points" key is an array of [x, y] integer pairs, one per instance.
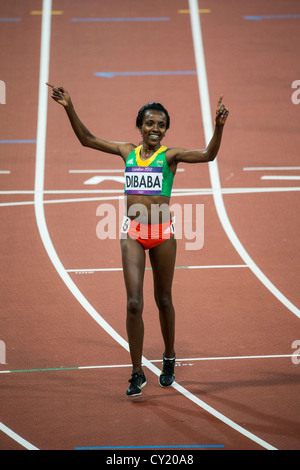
{"points": [[143, 180], [125, 224]]}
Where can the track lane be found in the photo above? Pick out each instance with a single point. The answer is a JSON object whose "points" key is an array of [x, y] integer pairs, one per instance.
{"points": [[262, 136]]}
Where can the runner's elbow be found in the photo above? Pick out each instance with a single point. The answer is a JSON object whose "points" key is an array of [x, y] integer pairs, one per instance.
{"points": [[210, 156], [87, 141]]}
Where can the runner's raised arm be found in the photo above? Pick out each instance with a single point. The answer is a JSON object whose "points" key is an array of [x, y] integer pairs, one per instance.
{"points": [[86, 138]]}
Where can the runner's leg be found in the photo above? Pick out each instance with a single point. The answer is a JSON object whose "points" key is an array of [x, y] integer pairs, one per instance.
{"points": [[162, 259], [133, 259]]}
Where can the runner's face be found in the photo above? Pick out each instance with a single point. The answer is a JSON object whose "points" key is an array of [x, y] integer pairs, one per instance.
{"points": [[154, 128]]}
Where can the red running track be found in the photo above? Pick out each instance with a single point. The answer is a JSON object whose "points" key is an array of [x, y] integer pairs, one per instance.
{"points": [[236, 341]]}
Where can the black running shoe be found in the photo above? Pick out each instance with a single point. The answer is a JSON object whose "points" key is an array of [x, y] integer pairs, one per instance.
{"points": [[137, 382], [167, 376]]}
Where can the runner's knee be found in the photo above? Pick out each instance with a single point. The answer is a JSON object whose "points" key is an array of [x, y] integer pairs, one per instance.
{"points": [[164, 301], [134, 306]]}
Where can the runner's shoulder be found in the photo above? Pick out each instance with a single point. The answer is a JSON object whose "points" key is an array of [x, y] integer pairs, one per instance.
{"points": [[173, 152]]}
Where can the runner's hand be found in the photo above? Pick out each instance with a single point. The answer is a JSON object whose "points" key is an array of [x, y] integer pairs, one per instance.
{"points": [[221, 113], [60, 95]]}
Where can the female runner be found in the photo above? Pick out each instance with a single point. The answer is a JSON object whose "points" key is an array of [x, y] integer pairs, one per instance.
{"points": [[149, 174]]}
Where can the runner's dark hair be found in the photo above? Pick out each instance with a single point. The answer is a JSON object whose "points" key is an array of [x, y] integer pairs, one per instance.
{"points": [[155, 106]]}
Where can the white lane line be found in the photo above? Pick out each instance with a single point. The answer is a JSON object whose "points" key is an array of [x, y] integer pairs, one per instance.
{"points": [[96, 171], [104, 191], [43, 230], [178, 363], [213, 166], [4, 172], [279, 177], [200, 192], [60, 201], [230, 358], [215, 266], [93, 270], [271, 168], [99, 191], [17, 438], [259, 190], [10, 204], [175, 191], [65, 191], [219, 266]]}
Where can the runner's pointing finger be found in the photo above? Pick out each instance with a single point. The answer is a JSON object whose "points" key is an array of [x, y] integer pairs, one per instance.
{"points": [[220, 101]]}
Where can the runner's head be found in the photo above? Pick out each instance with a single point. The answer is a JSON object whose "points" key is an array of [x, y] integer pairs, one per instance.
{"points": [[155, 106]]}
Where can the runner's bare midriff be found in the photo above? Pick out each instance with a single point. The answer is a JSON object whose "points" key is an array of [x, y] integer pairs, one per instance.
{"points": [[148, 209]]}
